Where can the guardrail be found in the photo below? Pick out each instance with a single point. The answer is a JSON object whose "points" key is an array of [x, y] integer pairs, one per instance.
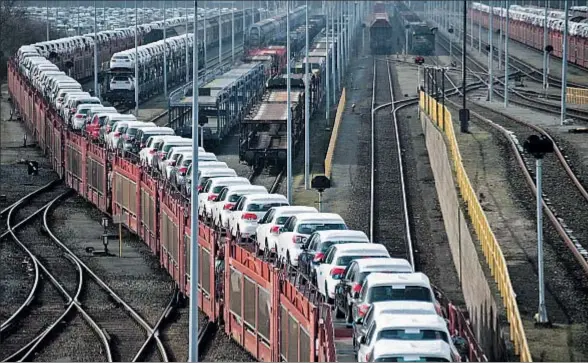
{"points": [[334, 134], [578, 96], [441, 117]]}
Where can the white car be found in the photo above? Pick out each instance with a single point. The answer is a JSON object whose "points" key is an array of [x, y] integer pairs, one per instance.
{"points": [[268, 229], [299, 227], [211, 190], [221, 207], [148, 152], [338, 258], [399, 328], [172, 158], [389, 307], [210, 173], [410, 351], [126, 83], [118, 130], [79, 118], [249, 209]]}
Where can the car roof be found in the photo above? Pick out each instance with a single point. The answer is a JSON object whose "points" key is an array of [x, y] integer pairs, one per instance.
{"points": [[361, 249], [410, 321], [228, 179], [294, 209], [256, 197], [415, 278], [318, 217], [220, 171], [372, 264], [347, 234], [381, 307], [429, 348], [245, 187], [157, 128]]}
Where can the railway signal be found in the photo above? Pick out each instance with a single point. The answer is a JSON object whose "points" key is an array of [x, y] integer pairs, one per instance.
{"points": [[538, 147], [320, 183]]}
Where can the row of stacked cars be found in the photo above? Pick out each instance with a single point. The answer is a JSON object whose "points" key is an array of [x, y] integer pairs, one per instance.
{"points": [[319, 245]]}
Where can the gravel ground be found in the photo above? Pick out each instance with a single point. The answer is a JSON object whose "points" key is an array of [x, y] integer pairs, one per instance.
{"points": [[136, 277], [566, 285], [221, 348]]}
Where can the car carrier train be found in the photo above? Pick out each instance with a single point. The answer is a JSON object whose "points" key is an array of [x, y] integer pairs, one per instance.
{"points": [[261, 305], [267, 30]]}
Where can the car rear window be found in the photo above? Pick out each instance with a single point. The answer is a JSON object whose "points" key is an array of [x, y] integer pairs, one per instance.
{"points": [[326, 245], [233, 198], [310, 228], [408, 293], [419, 359], [281, 221], [187, 162], [416, 334], [120, 79], [264, 207], [132, 131], [218, 189], [169, 146]]}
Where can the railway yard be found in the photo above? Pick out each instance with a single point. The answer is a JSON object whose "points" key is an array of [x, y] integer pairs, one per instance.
{"points": [[454, 205]]}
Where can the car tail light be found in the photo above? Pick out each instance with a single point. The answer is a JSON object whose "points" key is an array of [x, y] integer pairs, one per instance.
{"points": [[362, 309], [356, 287], [183, 171], [171, 162], [249, 216], [318, 257], [79, 116], [275, 230], [212, 197], [73, 110], [116, 134], [228, 206], [152, 151], [200, 187], [336, 271]]}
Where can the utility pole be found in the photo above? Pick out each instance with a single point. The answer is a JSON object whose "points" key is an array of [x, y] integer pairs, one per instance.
{"points": [[220, 39], [306, 111], [187, 54], [47, 11], [136, 61], [506, 53], [165, 52], [564, 67], [491, 53], [464, 113], [327, 50], [289, 117], [500, 41], [232, 32], [545, 52], [193, 302], [204, 26], [96, 92]]}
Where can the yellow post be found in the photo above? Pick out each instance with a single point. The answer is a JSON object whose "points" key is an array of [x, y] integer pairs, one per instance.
{"points": [[120, 240]]}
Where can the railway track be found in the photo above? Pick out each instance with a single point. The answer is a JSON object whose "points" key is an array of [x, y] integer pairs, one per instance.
{"points": [[389, 217], [47, 319], [205, 336], [525, 98], [561, 186]]}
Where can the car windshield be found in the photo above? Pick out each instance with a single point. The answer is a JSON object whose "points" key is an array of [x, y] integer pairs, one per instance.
{"points": [[365, 274], [413, 334], [346, 260], [310, 228], [412, 359], [264, 207], [397, 293]]}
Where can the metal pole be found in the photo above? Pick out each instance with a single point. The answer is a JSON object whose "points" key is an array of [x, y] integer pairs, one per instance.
{"points": [[289, 105], [491, 53], [340, 46], [472, 31], [564, 67], [187, 55], [205, 26], [542, 307], [232, 32], [545, 54], [334, 56], [78, 25], [220, 39], [406, 42], [47, 10], [136, 61], [96, 53], [480, 34], [165, 53], [500, 40], [464, 119], [306, 112], [327, 50], [506, 36], [193, 319]]}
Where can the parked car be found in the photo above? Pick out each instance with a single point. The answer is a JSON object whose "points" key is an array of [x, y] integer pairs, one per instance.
{"points": [[144, 134], [227, 199], [269, 226], [348, 290], [299, 227], [249, 209], [211, 190], [338, 257], [409, 350]]}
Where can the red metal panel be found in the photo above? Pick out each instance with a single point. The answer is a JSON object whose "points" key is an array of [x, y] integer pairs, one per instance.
{"points": [[172, 208], [149, 235], [131, 172], [96, 197], [77, 143]]}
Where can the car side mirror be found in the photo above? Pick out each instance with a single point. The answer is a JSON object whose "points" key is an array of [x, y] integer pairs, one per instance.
{"points": [[362, 339]]}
